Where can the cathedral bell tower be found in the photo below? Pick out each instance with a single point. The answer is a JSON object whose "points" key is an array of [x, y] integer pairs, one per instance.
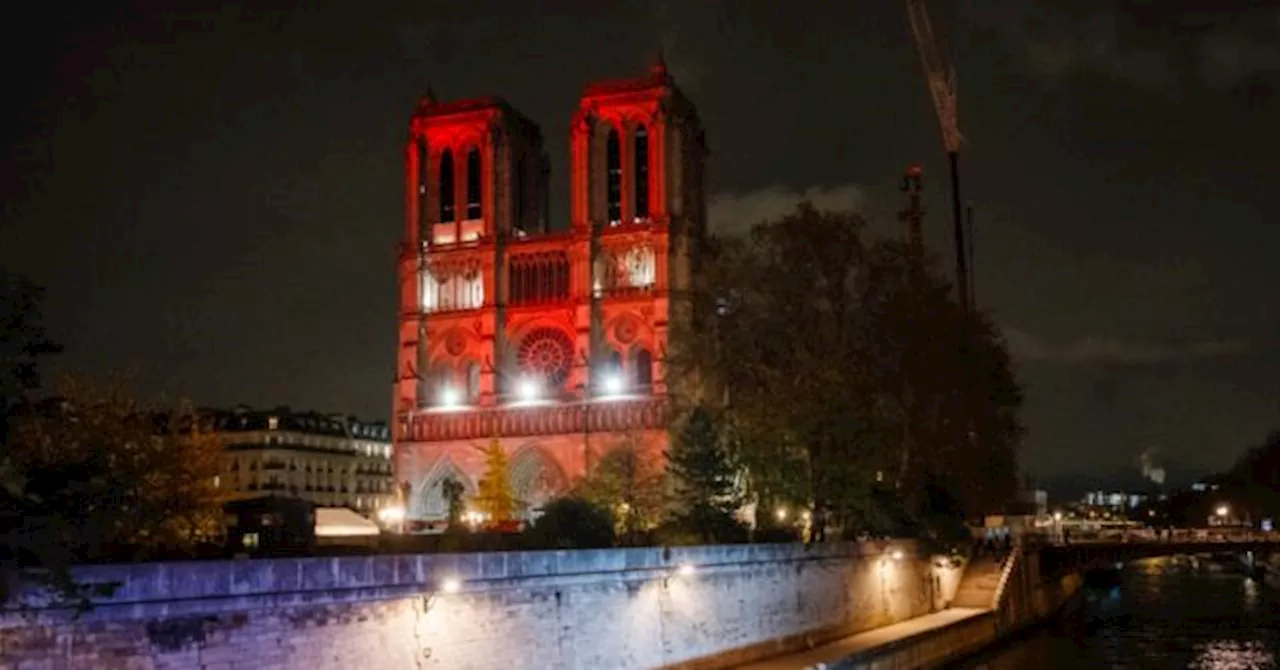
{"points": [[475, 176], [637, 153]]}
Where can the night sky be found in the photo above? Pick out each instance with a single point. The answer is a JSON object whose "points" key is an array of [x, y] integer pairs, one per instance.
{"points": [[212, 198]]}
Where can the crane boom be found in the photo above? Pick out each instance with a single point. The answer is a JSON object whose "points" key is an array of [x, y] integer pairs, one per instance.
{"points": [[940, 76]]}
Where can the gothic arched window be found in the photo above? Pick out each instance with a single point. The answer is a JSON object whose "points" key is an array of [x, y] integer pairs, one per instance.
{"points": [[446, 187], [424, 174], [473, 184], [642, 369], [613, 176], [642, 172], [473, 381]]}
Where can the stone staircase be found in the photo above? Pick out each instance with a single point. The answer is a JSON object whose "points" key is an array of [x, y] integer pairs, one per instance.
{"points": [[980, 585]]}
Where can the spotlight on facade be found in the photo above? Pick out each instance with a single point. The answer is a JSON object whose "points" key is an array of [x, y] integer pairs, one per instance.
{"points": [[528, 390], [391, 515], [449, 397], [451, 585], [613, 384]]}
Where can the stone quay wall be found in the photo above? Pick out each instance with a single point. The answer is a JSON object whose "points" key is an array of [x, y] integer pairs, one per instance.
{"points": [[690, 607]]}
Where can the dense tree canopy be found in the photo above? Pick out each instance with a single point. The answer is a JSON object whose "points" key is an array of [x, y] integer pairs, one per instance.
{"points": [[92, 473], [854, 384]]}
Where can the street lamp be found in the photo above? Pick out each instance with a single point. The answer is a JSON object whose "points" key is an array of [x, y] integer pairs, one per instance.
{"points": [[528, 390], [448, 396], [1222, 511], [613, 384]]}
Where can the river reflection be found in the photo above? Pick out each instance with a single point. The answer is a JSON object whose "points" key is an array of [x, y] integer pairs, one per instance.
{"points": [[1167, 613]]}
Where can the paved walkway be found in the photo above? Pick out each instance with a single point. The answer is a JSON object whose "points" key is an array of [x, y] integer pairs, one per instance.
{"points": [[841, 649]]}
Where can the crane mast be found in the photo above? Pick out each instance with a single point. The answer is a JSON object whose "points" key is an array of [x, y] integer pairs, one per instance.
{"points": [[941, 78]]}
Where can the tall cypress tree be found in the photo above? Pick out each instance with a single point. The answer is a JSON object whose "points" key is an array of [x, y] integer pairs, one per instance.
{"points": [[705, 478]]}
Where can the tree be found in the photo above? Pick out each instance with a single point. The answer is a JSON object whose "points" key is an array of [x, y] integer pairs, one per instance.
{"points": [[453, 492], [571, 523], [946, 381], [96, 474], [494, 498], [627, 481], [1255, 479], [705, 478], [854, 384], [23, 342]]}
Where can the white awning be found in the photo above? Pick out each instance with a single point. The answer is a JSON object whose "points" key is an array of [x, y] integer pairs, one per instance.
{"points": [[342, 522]]}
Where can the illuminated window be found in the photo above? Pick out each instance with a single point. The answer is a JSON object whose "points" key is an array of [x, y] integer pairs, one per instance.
{"points": [[446, 187], [613, 176], [639, 267], [446, 289], [642, 172], [473, 184]]}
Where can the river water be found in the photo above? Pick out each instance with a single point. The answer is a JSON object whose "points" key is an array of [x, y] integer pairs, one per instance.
{"points": [[1166, 613]]}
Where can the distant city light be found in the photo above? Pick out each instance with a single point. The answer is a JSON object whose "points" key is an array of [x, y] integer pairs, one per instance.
{"points": [[613, 384], [528, 390], [449, 397]]}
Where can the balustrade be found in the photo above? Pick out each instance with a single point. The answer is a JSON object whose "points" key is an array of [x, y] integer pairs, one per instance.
{"points": [[598, 416]]}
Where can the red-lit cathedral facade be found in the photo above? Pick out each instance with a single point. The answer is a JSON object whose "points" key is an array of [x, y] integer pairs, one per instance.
{"points": [[551, 341]]}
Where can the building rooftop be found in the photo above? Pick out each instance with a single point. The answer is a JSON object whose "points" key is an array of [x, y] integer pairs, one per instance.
{"points": [[244, 418]]}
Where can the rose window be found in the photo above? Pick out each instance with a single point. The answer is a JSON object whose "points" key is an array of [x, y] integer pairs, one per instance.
{"points": [[547, 353]]}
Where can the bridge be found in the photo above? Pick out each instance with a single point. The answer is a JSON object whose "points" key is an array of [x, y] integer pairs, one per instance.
{"points": [[1080, 554]]}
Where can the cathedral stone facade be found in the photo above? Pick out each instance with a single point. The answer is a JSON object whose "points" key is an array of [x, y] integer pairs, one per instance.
{"points": [[550, 339]]}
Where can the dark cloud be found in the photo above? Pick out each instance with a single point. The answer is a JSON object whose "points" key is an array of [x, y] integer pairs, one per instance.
{"points": [[1059, 40], [1115, 351], [733, 214]]}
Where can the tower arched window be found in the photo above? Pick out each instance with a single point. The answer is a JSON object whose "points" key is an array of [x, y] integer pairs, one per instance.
{"points": [[642, 172], [424, 175], [473, 184], [612, 369], [473, 381], [613, 175], [447, 210], [642, 369]]}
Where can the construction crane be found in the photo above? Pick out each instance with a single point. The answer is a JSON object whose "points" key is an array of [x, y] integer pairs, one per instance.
{"points": [[941, 78]]}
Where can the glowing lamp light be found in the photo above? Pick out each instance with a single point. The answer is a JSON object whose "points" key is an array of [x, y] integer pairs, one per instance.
{"points": [[896, 554], [1057, 516], [528, 390], [685, 570], [451, 585], [1223, 511], [613, 385], [449, 397], [391, 514], [781, 514]]}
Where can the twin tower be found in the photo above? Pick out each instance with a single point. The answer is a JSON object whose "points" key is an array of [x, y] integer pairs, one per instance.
{"points": [[507, 320]]}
